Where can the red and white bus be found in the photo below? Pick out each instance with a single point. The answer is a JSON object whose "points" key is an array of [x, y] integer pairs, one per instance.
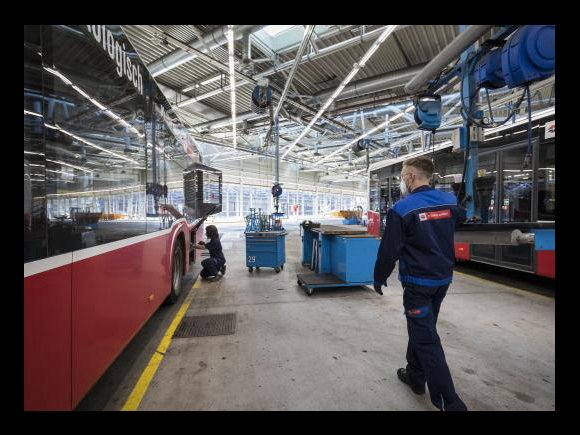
{"points": [[100, 252]]}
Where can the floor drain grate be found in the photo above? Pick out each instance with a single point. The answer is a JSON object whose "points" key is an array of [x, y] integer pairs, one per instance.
{"points": [[205, 326]]}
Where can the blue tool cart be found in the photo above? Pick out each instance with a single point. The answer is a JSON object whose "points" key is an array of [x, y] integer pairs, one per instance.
{"points": [[265, 240], [340, 256], [265, 249]]}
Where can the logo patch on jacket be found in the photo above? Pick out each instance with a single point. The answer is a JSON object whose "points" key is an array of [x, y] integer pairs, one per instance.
{"points": [[440, 214]]}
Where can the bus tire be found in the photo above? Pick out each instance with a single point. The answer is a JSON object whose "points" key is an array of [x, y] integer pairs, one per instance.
{"points": [[176, 274]]}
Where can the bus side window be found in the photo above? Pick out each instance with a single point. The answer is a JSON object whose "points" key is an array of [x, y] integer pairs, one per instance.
{"points": [[547, 182], [517, 187], [34, 156]]}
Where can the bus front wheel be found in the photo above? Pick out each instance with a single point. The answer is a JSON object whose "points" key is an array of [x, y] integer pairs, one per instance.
{"points": [[176, 274]]}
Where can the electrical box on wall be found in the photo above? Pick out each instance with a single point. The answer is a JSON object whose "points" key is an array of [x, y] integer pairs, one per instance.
{"points": [[475, 134], [456, 140]]}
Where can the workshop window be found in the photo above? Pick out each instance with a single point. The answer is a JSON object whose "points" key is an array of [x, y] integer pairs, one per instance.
{"points": [[517, 187], [485, 188], [309, 199], [233, 193], [547, 182], [448, 171]]}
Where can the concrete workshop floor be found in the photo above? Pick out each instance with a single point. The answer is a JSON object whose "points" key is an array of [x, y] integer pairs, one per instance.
{"points": [[339, 349]]}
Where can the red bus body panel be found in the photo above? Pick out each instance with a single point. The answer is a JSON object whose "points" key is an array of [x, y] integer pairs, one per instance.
{"points": [[79, 317], [546, 262], [47, 340], [462, 251], [111, 301], [374, 225]]}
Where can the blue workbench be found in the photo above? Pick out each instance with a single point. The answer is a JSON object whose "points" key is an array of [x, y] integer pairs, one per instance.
{"points": [[339, 257]]}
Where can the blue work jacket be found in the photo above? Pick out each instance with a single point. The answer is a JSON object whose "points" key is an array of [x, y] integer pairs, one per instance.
{"points": [[419, 233]]}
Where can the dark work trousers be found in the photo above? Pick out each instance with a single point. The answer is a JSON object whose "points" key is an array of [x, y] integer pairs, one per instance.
{"points": [[211, 267], [425, 356]]}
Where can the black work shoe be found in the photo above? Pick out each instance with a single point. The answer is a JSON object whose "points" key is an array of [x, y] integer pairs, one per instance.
{"points": [[402, 374], [223, 269]]}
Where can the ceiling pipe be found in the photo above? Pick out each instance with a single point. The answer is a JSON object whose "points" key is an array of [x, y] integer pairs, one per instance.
{"points": [[451, 52], [215, 38], [247, 66], [372, 84]]}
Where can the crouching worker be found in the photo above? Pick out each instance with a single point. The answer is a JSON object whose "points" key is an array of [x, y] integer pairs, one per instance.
{"points": [[216, 261]]}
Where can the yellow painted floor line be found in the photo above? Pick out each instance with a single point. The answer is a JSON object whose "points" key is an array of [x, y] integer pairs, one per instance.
{"points": [[141, 388]]}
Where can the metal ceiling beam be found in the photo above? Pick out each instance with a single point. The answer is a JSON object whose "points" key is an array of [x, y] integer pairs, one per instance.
{"points": [[200, 108], [307, 34]]}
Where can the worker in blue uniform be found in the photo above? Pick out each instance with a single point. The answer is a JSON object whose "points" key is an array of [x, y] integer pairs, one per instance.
{"points": [[216, 261], [419, 233]]}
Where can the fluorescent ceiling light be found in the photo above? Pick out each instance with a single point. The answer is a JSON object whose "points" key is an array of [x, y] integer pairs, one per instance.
{"points": [[97, 191], [93, 101], [232, 80], [56, 127], [26, 112], [397, 116], [67, 164], [59, 172], [210, 80], [275, 30]]}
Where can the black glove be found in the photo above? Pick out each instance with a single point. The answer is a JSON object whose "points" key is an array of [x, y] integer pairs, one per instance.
{"points": [[378, 288], [202, 243]]}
